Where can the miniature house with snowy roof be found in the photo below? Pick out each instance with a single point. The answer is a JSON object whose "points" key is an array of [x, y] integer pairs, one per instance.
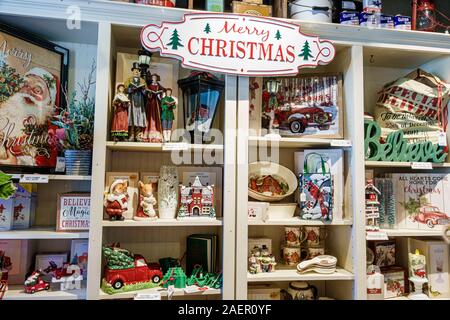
{"points": [[196, 200]]}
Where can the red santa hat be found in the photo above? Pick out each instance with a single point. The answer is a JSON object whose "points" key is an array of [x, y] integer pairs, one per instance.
{"points": [[51, 81], [115, 183]]}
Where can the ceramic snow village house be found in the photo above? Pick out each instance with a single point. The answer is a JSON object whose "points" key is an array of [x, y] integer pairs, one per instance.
{"points": [[372, 206], [197, 200]]}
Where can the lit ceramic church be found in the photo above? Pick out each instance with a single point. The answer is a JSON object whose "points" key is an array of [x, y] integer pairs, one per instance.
{"points": [[196, 200]]}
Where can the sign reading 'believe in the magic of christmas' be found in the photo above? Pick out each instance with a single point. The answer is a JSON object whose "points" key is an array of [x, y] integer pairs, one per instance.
{"points": [[238, 44]]}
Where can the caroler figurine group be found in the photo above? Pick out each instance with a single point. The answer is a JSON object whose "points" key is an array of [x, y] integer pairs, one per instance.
{"points": [[143, 110]]}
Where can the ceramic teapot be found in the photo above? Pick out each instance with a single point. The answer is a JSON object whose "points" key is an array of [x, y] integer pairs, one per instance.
{"points": [[300, 290]]}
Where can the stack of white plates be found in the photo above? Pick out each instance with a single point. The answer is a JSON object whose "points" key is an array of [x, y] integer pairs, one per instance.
{"points": [[320, 264]]}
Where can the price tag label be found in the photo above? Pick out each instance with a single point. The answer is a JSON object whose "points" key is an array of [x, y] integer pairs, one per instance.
{"points": [[147, 296], [34, 178], [175, 146], [442, 140], [340, 143], [376, 235], [60, 164], [170, 292], [194, 289], [421, 165]]}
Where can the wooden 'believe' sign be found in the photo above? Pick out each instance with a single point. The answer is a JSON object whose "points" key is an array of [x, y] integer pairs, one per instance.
{"points": [[396, 147], [237, 44]]}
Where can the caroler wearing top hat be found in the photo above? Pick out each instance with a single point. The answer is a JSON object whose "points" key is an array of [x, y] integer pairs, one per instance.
{"points": [[153, 132], [135, 87]]}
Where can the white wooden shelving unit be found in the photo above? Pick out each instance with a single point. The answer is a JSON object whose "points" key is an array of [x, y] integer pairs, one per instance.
{"points": [[368, 58]]}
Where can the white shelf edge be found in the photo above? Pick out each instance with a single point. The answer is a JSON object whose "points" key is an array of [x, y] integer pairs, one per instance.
{"points": [[41, 233], [298, 222], [55, 176], [288, 142], [406, 298], [412, 233], [15, 292], [177, 293], [397, 164], [147, 146], [163, 223], [293, 275]]}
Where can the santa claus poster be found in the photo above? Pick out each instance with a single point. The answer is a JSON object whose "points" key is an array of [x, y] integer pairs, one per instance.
{"points": [[32, 73]]}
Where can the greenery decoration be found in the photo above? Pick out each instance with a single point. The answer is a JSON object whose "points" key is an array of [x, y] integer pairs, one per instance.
{"points": [[7, 188], [76, 121]]}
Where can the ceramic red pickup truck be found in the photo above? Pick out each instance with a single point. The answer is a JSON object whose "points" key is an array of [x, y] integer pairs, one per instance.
{"points": [[141, 272]]}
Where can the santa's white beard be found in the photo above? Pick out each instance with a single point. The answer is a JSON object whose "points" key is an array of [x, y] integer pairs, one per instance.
{"points": [[16, 109]]}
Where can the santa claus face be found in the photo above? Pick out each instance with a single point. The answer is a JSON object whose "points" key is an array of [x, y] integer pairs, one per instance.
{"points": [[36, 92], [32, 103], [121, 188]]}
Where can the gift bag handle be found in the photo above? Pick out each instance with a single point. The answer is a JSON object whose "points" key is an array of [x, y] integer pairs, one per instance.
{"points": [[322, 162]]}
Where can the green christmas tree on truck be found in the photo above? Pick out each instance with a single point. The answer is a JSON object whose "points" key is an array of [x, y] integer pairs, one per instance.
{"points": [[306, 52], [118, 258], [175, 40]]}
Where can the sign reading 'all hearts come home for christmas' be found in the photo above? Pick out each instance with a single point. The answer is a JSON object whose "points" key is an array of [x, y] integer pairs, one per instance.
{"points": [[238, 44]]}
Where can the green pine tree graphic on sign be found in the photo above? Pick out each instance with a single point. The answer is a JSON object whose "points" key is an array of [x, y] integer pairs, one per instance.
{"points": [[306, 51], [175, 40], [207, 28], [278, 35]]}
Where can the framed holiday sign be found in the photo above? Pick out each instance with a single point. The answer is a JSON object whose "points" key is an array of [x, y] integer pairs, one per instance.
{"points": [[73, 211], [32, 74], [237, 44]]}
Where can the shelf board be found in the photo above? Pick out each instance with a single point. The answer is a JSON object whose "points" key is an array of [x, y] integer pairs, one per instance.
{"points": [[41, 233], [298, 222], [293, 275], [56, 177], [412, 233], [286, 142], [406, 298], [15, 292], [397, 164], [163, 223], [147, 146], [177, 293]]}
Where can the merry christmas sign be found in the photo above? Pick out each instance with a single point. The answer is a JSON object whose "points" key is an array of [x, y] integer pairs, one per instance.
{"points": [[238, 44]]}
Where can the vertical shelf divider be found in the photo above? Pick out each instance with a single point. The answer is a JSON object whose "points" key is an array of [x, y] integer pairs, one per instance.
{"points": [[99, 160], [229, 194], [355, 117], [242, 188]]}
